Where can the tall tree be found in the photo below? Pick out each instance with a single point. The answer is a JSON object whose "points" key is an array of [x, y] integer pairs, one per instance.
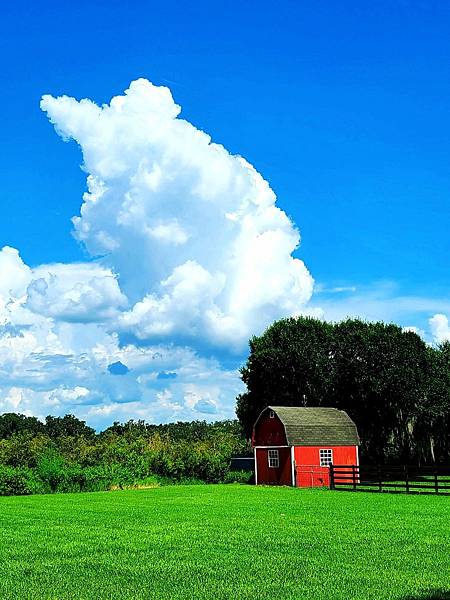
{"points": [[388, 380], [381, 374], [288, 365], [433, 423], [69, 425], [11, 423]]}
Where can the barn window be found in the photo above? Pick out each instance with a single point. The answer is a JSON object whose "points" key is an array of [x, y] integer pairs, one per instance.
{"points": [[274, 459], [271, 414], [326, 457]]}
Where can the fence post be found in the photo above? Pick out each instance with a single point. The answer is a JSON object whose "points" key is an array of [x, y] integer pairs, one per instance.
{"points": [[436, 481], [354, 477], [406, 479], [331, 477], [380, 483]]}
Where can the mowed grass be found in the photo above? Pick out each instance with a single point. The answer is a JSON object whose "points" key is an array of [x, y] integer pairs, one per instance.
{"points": [[225, 542]]}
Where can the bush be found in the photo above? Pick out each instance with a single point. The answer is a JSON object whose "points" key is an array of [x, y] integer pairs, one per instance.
{"points": [[19, 481], [51, 470]]}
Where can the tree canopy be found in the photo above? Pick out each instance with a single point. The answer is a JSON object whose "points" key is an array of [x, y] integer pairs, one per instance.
{"points": [[391, 383]]}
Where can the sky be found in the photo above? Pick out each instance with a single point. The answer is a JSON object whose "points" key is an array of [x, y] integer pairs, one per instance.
{"points": [[174, 178]]}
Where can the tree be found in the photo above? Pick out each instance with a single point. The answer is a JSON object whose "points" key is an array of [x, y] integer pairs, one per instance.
{"points": [[289, 365], [68, 425], [434, 417], [381, 374], [11, 423], [388, 380]]}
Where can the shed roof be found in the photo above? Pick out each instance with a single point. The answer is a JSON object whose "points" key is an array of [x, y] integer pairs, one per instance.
{"points": [[311, 426]]}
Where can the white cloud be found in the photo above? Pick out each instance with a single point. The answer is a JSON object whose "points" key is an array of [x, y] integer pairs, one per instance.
{"points": [[189, 251], [75, 292], [15, 275], [440, 328], [54, 365], [194, 233], [412, 329]]}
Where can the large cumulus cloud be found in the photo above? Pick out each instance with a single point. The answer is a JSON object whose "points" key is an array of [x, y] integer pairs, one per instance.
{"points": [[200, 247], [189, 252], [189, 256]]}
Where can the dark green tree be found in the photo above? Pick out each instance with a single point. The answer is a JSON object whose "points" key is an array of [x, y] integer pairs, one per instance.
{"points": [[433, 423], [68, 425], [11, 423], [289, 365], [394, 386], [381, 376]]}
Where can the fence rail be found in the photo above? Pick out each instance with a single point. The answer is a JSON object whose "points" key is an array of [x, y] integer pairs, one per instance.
{"points": [[380, 478]]}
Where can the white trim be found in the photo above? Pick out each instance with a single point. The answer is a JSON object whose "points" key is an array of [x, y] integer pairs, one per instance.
{"points": [[254, 447], [256, 467], [292, 467], [357, 456]]}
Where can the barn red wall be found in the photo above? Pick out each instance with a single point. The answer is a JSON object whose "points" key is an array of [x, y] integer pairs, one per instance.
{"points": [[269, 431], [309, 473], [273, 476]]}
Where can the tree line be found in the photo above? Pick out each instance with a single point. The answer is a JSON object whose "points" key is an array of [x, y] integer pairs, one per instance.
{"points": [[63, 454], [390, 382]]}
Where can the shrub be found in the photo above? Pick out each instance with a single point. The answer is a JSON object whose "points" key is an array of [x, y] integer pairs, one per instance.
{"points": [[51, 470], [19, 481]]}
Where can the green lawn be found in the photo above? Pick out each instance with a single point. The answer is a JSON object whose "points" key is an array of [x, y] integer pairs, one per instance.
{"points": [[225, 542]]}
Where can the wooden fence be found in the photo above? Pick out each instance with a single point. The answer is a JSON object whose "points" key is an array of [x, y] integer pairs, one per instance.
{"points": [[377, 478]]}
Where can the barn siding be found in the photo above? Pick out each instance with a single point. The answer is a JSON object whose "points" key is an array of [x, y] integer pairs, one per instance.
{"points": [[273, 476], [269, 432], [309, 473]]}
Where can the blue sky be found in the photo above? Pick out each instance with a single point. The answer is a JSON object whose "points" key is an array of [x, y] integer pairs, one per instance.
{"points": [[342, 107]]}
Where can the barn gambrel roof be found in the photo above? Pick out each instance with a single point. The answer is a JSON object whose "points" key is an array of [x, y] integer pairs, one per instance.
{"points": [[311, 426]]}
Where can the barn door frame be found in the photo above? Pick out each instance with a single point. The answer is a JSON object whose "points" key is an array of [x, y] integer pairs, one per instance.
{"points": [[293, 469], [291, 459]]}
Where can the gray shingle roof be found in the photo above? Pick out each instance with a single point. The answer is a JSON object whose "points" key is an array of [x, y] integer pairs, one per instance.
{"points": [[310, 426]]}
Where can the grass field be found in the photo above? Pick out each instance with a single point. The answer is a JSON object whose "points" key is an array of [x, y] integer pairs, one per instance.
{"points": [[225, 542]]}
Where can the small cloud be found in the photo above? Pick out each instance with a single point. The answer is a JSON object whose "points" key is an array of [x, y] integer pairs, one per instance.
{"points": [[440, 328], [321, 288]]}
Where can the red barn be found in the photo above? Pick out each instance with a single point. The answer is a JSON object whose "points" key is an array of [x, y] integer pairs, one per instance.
{"points": [[295, 445]]}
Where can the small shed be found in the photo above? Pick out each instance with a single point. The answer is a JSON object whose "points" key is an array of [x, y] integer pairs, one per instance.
{"points": [[296, 445]]}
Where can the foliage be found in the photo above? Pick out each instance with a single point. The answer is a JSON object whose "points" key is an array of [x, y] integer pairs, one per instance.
{"points": [[288, 366], [11, 423], [68, 425], [19, 481], [394, 386], [224, 541], [66, 456], [238, 477]]}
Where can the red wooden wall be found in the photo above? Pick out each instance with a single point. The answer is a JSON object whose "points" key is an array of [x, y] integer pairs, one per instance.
{"points": [[269, 431], [270, 475], [309, 473]]}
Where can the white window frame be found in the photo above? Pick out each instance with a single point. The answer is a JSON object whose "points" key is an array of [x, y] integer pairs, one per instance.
{"points": [[273, 458], [271, 414], [326, 457]]}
